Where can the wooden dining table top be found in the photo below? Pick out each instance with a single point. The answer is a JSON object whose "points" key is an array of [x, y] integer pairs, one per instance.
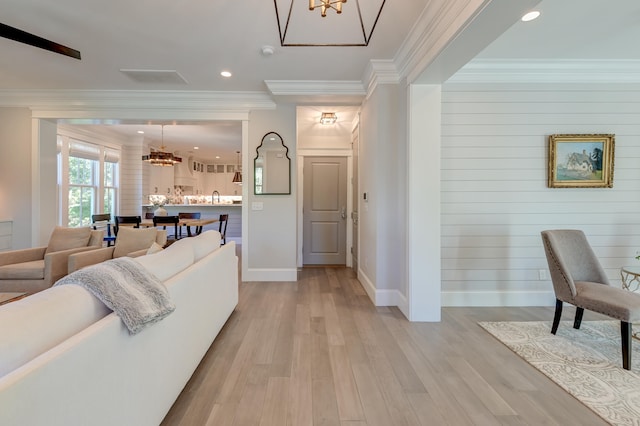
{"points": [[148, 223], [183, 222]]}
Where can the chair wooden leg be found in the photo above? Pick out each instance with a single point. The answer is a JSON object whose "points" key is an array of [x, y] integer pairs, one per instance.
{"points": [[578, 320], [556, 317], [625, 334]]}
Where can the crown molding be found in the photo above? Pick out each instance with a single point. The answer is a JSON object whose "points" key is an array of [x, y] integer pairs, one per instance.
{"points": [[439, 23], [317, 91], [380, 71], [548, 71], [125, 104], [314, 87]]}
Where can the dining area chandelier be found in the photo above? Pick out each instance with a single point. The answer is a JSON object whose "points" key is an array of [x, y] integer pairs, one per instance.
{"points": [[161, 157]]}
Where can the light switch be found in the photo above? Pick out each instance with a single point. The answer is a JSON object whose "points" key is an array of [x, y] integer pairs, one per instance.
{"points": [[256, 205]]}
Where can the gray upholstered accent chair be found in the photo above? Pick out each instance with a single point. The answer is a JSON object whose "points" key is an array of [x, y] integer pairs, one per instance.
{"points": [[579, 279], [35, 269], [130, 242]]}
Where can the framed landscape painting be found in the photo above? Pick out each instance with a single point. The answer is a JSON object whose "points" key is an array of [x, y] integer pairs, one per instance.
{"points": [[581, 161]]}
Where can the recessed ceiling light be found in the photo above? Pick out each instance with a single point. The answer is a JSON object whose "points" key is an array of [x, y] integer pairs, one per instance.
{"points": [[217, 157], [141, 132], [530, 16], [226, 74]]}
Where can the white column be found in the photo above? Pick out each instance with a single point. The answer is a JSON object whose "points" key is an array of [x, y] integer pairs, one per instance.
{"points": [[44, 200], [423, 242]]}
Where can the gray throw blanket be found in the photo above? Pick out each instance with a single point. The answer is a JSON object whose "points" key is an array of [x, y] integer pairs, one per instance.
{"points": [[128, 289]]}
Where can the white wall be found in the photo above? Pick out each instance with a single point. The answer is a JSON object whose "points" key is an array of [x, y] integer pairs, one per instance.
{"points": [[382, 224], [15, 173], [270, 239], [369, 168], [44, 188], [495, 199]]}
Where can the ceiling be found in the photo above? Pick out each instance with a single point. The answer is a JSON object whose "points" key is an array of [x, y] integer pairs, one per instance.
{"points": [[573, 29], [196, 40]]}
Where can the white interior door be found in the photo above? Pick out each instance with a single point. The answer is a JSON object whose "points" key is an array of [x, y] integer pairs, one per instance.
{"points": [[325, 211]]}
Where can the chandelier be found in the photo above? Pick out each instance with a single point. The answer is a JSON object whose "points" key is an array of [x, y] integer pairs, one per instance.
{"points": [[327, 4], [161, 157], [298, 27]]}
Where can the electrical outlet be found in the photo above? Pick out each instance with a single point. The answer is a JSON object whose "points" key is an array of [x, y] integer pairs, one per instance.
{"points": [[542, 274]]}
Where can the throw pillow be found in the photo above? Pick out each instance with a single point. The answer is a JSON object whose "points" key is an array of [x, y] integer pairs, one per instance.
{"points": [[169, 261], [68, 238], [133, 239], [155, 247], [205, 243]]}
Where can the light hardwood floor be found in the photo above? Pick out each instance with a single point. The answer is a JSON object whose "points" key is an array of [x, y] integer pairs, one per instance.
{"points": [[317, 352]]}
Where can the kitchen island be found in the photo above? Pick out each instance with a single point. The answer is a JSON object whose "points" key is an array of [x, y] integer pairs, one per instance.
{"points": [[209, 211]]}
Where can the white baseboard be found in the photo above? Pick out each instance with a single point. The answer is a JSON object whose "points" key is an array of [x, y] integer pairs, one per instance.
{"points": [[458, 298], [258, 274], [383, 297], [498, 298]]}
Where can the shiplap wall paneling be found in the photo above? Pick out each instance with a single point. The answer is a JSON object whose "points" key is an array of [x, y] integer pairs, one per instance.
{"points": [[131, 180], [495, 199]]}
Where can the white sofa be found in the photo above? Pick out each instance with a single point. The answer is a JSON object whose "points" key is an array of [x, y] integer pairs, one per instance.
{"points": [[65, 359]]}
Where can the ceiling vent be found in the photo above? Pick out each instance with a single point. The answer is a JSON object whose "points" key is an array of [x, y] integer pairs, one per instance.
{"points": [[155, 76]]}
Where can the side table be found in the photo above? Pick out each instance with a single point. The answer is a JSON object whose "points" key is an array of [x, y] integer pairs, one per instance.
{"points": [[631, 281], [630, 278]]}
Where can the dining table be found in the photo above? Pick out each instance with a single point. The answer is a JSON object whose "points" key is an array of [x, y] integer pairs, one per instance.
{"points": [[198, 224]]}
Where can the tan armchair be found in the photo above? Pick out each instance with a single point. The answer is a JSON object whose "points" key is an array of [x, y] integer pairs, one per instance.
{"points": [[579, 279], [130, 242], [35, 269]]}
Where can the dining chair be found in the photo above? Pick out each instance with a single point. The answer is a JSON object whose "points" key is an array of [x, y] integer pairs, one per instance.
{"points": [[192, 215], [129, 220], [164, 221], [222, 227], [103, 221], [579, 279]]}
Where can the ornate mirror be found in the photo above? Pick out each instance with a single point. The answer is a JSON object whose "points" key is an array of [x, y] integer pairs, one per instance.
{"points": [[272, 166]]}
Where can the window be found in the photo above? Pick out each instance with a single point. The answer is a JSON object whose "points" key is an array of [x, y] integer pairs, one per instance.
{"points": [[88, 181], [82, 190], [110, 181]]}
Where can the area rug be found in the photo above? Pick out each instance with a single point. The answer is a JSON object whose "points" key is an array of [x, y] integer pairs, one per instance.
{"points": [[587, 363]]}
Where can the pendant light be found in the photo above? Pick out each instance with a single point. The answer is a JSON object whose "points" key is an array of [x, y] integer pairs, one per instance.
{"points": [[161, 158], [237, 176]]}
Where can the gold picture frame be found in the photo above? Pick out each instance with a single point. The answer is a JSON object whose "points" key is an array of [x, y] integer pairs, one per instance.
{"points": [[581, 161]]}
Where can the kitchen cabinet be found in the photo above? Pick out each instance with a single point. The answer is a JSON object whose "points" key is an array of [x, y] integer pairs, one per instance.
{"points": [[161, 180], [214, 177], [221, 179]]}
